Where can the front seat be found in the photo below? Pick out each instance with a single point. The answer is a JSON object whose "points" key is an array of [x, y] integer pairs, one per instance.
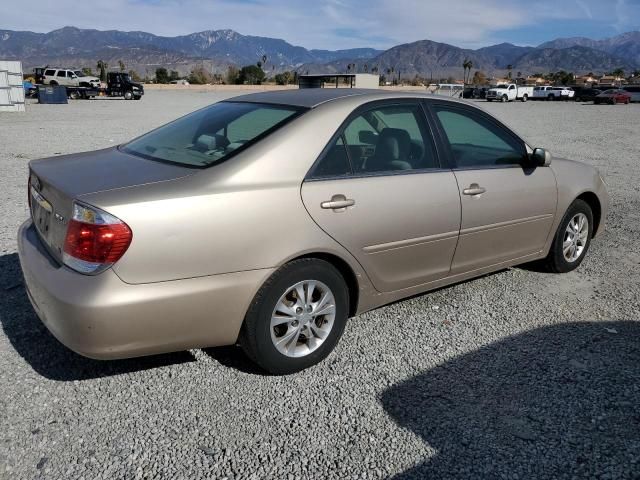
{"points": [[392, 151]]}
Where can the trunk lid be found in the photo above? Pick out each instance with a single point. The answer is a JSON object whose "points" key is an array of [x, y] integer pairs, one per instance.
{"points": [[55, 182]]}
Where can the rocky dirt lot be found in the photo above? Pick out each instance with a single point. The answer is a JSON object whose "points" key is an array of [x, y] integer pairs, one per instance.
{"points": [[518, 374]]}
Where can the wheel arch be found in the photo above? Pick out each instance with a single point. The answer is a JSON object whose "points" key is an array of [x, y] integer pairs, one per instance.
{"points": [[345, 270], [594, 203]]}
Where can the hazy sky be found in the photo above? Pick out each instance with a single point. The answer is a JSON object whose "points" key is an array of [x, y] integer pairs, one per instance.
{"points": [[338, 24]]}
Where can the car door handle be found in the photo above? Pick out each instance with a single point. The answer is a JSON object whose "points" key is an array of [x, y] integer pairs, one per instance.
{"points": [[474, 189], [338, 202]]}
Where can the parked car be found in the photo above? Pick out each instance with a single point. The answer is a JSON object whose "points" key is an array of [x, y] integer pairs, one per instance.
{"points": [[69, 78], [269, 219], [541, 93], [509, 93], [634, 90], [560, 93], [584, 94], [613, 96], [475, 92]]}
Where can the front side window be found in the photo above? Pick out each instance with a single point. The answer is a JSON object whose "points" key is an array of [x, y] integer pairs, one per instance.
{"points": [[390, 138], [477, 142], [213, 134]]}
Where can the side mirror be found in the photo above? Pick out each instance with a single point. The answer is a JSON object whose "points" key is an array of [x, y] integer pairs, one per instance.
{"points": [[541, 157]]}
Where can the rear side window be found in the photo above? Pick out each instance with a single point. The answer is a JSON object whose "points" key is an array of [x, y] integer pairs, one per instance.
{"points": [[381, 140], [61, 73], [213, 134], [49, 72], [335, 161], [477, 142]]}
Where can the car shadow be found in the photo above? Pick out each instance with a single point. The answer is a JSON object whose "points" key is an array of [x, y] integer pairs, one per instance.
{"points": [[555, 402], [234, 357], [33, 342]]}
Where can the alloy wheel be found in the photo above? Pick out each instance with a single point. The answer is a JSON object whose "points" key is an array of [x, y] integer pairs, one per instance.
{"points": [[303, 318], [575, 237]]}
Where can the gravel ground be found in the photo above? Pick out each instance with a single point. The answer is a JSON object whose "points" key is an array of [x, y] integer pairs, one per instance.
{"points": [[518, 374]]}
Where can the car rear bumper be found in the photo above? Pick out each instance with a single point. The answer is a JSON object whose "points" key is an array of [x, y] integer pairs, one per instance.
{"points": [[102, 317]]}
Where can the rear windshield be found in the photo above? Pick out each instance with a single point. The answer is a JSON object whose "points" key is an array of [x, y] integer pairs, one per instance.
{"points": [[213, 134]]}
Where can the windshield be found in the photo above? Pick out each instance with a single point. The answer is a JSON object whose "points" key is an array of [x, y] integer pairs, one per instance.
{"points": [[78, 73], [213, 134]]}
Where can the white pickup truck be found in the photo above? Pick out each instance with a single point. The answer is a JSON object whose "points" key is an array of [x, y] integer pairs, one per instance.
{"points": [[553, 93], [509, 93]]}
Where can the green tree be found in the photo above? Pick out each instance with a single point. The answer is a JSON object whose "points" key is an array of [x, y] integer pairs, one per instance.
{"points": [[284, 78], [251, 75], [134, 76], [102, 67], [618, 72], [509, 75], [162, 76], [200, 76], [232, 75], [87, 71], [174, 75], [479, 78], [121, 65]]}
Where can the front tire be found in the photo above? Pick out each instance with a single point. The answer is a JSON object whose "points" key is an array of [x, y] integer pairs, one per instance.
{"points": [[297, 317], [572, 239], [504, 99], [128, 95]]}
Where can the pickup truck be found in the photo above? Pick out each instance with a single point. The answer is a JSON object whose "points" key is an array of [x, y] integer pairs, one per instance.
{"points": [[509, 93], [553, 93]]}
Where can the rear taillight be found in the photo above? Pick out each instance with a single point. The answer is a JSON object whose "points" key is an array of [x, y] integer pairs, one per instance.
{"points": [[95, 240]]}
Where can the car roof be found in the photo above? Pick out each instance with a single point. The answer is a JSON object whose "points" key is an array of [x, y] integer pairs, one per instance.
{"points": [[313, 97]]}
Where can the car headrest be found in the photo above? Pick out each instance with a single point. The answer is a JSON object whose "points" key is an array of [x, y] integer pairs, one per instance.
{"points": [[393, 144], [211, 142]]}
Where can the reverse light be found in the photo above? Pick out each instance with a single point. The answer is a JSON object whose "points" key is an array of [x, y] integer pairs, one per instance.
{"points": [[95, 240]]}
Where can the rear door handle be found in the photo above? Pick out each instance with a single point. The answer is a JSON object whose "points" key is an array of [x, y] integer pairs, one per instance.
{"points": [[474, 189], [338, 202]]}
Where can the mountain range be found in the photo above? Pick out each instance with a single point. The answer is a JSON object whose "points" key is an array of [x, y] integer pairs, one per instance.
{"points": [[216, 50]]}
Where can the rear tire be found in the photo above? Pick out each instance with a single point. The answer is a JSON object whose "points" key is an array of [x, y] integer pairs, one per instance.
{"points": [[53, 82], [568, 251], [525, 97], [311, 337], [551, 97]]}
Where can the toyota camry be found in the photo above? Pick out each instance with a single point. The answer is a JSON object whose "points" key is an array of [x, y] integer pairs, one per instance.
{"points": [[271, 218]]}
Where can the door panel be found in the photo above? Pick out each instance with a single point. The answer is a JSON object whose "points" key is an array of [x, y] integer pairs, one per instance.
{"points": [[402, 228], [511, 219]]}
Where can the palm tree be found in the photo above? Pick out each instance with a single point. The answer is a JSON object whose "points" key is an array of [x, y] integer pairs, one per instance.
{"points": [[509, 67], [467, 65], [102, 67]]}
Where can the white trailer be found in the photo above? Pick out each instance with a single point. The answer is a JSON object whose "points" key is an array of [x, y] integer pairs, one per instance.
{"points": [[11, 89]]}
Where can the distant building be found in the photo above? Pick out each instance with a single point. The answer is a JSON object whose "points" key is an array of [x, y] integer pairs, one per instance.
{"points": [[586, 80], [610, 81], [352, 80]]}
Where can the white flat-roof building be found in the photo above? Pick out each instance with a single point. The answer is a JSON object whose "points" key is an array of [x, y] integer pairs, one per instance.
{"points": [[353, 80]]}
